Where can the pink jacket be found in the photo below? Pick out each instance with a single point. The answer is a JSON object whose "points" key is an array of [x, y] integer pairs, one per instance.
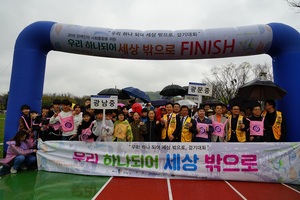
{"points": [[13, 150]]}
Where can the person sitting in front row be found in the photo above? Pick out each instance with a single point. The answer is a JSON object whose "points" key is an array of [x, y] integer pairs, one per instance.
{"points": [[20, 153]]}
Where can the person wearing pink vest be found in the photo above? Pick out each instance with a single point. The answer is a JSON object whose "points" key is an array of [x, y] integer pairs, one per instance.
{"points": [[25, 122], [84, 130], [54, 132], [20, 153], [66, 119], [257, 131], [219, 123], [204, 127]]}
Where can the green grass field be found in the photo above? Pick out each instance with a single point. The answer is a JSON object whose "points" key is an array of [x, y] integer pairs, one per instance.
{"points": [[2, 120]]}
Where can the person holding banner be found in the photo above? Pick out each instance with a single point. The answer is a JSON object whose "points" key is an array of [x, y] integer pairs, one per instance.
{"points": [[171, 125], [219, 123], [188, 125], [122, 129], [257, 126], [66, 119], [237, 126], [203, 126]]}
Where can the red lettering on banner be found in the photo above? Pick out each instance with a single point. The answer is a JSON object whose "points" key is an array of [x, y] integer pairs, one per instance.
{"points": [[183, 48], [207, 47], [229, 46], [217, 47]]}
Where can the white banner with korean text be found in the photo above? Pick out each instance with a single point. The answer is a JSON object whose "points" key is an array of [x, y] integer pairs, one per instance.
{"points": [[260, 162], [162, 44]]}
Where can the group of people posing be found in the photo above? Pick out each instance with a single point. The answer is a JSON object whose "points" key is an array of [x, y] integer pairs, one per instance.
{"points": [[169, 123]]}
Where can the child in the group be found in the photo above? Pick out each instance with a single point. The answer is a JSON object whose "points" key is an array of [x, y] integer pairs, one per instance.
{"points": [[144, 117], [25, 122], [103, 130], [66, 119], [122, 131], [20, 153], [90, 110], [54, 132], [77, 114], [84, 130], [43, 121], [35, 125]]}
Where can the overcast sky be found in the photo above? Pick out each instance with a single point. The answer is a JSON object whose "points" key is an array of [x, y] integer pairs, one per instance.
{"points": [[85, 75]]}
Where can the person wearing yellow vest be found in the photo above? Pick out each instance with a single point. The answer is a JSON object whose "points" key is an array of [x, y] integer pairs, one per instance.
{"points": [[170, 125], [237, 126], [276, 122], [188, 125]]}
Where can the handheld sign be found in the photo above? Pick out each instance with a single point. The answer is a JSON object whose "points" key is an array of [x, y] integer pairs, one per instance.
{"points": [[200, 89], [104, 102]]}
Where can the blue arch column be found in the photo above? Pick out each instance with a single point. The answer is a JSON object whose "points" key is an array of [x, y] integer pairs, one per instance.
{"points": [[28, 72], [285, 53]]}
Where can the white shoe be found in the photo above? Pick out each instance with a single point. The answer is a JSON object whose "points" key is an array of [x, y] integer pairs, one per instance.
{"points": [[13, 171]]}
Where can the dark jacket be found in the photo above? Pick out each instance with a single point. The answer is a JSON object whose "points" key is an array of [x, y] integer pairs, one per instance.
{"points": [[138, 131], [153, 131], [270, 118], [206, 120], [267, 133], [85, 125]]}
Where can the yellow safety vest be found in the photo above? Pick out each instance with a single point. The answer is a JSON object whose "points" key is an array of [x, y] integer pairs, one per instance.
{"points": [[186, 135], [276, 128], [241, 135], [171, 128]]}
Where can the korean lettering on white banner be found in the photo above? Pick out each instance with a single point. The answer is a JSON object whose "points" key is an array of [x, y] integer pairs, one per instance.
{"points": [[176, 161], [104, 102], [161, 44], [159, 160], [200, 89]]}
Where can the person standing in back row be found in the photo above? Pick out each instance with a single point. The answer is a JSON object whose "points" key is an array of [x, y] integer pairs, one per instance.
{"points": [[276, 122]]}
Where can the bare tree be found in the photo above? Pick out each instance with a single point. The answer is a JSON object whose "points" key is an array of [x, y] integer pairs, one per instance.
{"points": [[263, 69], [227, 79], [294, 3]]}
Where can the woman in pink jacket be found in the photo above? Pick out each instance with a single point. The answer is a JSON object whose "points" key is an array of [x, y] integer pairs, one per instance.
{"points": [[20, 153]]}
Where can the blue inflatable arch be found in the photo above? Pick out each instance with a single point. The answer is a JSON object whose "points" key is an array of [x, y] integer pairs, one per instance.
{"points": [[280, 41]]}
